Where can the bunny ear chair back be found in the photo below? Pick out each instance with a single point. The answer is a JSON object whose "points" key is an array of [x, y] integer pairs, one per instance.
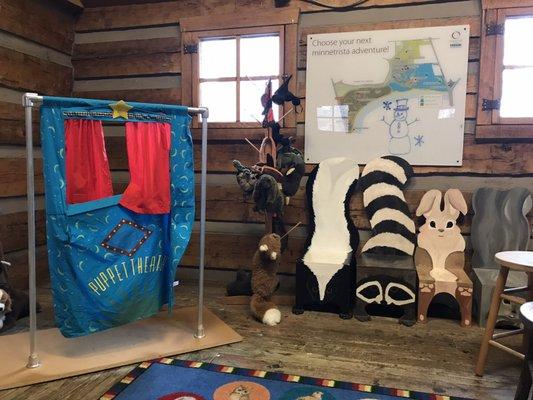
{"points": [[454, 202], [430, 201]]}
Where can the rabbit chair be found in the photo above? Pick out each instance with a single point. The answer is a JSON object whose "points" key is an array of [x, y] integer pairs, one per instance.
{"points": [[439, 257]]}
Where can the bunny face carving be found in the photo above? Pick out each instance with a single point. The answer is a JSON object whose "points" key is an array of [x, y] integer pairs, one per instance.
{"points": [[441, 223]]}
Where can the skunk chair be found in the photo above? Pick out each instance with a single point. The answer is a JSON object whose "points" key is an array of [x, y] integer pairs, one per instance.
{"points": [[502, 213], [325, 275], [386, 285]]}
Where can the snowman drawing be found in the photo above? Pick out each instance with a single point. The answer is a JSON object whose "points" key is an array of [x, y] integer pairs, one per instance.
{"points": [[399, 140]]}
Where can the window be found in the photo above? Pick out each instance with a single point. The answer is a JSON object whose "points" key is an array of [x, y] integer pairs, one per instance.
{"points": [[227, 62], [233, 73], [506, 73], [233, 70]]}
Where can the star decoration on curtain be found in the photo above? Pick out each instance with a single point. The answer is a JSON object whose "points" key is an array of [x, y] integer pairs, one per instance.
{"points": [[120, 109]]}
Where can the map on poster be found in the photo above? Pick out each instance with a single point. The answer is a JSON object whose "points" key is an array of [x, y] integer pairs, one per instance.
{"points": [[399, 92]]}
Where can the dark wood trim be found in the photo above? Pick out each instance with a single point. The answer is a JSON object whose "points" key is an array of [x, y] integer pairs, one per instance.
{"points": [[504, 133], [240, 20], [494, 4], [486, 68]]}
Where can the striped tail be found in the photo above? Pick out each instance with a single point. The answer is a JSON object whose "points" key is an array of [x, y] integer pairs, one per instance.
{"points": [[382, 183]]}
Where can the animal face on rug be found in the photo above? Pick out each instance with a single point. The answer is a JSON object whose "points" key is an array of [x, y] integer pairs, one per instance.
{"points": [[313, 396], [241, 392], [265, 280]]}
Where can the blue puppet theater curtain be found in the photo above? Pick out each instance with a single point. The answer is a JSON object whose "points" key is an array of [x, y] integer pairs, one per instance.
{"points": [[111, 261]]}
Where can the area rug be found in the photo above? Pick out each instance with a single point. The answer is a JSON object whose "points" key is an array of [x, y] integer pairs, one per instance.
{"points": [[171, 379]]}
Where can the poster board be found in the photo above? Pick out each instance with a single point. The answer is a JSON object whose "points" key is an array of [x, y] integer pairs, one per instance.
{"points": [[400, 92]]}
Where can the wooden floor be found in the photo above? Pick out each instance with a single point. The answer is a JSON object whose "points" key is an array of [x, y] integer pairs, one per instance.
{"points": [[437, 357]]}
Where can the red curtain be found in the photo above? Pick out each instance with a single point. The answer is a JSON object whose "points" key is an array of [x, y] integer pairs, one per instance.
{"points": [[149, 159], [88, 175]]}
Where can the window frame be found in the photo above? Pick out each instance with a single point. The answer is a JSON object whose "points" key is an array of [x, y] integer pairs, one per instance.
{"points": [[287, 18], [490, 126], [197, 37], [503, 14]]}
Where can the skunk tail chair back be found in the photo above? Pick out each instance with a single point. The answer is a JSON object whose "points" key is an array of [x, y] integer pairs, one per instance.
{"points": [[325, 275], [382, 183]]}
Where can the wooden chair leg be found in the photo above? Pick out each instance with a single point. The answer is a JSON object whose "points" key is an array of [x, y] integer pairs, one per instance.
{"points": [[491, 320], [426, 292], [464, 298]]}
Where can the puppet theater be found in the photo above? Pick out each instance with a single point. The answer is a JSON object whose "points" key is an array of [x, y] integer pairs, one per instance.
{"points": [[255, 200]]}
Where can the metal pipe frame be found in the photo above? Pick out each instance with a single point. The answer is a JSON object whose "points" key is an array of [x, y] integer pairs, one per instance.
{"points": [[29, 100]]}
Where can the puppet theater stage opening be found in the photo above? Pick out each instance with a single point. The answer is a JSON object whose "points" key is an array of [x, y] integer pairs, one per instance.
{"points": [[112, 257]]}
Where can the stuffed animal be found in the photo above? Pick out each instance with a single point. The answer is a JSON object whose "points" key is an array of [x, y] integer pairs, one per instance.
{"points": [[242, 285], [14, 303], [267, 195], [5, 308], [265, 280], [279, 138], [246, 178], [283, 95], [291, 163]]}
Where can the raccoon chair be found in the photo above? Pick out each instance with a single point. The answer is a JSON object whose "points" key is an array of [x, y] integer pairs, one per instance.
{"points": [[325, 275]]}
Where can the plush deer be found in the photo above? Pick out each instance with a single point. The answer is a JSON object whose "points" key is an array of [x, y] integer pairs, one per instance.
{"points": [[439, 257]]}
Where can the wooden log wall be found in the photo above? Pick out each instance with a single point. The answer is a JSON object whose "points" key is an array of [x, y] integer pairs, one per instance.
{"points": [[133, 52], [141, 61], [36, 44]]}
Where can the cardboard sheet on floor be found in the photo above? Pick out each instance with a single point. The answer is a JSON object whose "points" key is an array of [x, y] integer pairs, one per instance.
{"points": [[159, 336]]}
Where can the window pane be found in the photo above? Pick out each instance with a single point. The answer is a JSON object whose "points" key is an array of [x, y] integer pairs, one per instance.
{"points": [[260, 56], [220, 98], [251, 92], [218, 58], [517, 41], [517, 86]]}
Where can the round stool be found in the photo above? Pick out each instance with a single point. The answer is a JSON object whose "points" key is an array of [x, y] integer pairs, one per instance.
{"points": [[524, 384], [508, 260]]}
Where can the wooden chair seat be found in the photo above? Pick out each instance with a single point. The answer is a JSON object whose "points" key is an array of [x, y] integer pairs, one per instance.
{"points": [[459, 286]]}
